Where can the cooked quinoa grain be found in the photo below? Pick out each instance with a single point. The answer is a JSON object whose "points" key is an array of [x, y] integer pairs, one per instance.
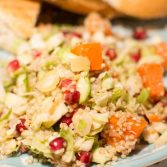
{"points": [[74, 103]]}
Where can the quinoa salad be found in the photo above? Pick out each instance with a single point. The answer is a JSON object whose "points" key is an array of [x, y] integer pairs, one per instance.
{"points": [[77, 95]]}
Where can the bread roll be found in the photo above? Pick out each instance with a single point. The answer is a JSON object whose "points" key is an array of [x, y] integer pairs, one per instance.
{"points": [[86, 6], [19, 15], [144, 9]]}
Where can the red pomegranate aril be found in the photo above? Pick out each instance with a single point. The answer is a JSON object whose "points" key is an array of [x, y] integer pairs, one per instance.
{"points": [[66, 120], [65, 83], [20, 127], [139, 34], [13, 65], [74, 111], [72, 97], [85, 157], [57, 144], [111, 54], [65, 33], [23, 148], [36, 53], [76, 34], [136, 56]]}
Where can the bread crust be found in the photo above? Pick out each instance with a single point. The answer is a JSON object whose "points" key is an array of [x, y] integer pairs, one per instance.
{"points": [[19, 15], [86, 6], [143, 9]]}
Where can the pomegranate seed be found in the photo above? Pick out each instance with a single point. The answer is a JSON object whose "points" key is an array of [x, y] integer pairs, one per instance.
{"points": [[65, 83], [85, 157], [72, 34], [66, 120], [57, 144], [13, 65], [23, 148], [111, 54], [20, 127], [36, 53], [72, 97], [74, 111], [136, 56], [139, 34], [76, 34], [65, 33]]}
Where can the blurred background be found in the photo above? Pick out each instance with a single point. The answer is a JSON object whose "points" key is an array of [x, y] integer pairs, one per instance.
{"points": [[18, 18]]}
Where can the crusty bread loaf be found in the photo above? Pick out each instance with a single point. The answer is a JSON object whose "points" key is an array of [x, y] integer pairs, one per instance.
{"points": [[144, 9], [19, 15], [86, 6]]}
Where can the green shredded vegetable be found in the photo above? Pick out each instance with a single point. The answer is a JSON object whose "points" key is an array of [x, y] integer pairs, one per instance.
{"points": [[116, 94], [97, 143], [68, 136], [7, 85], [81, 125], [26, 83], [18, 72], [143, 96], [50, 64], [6, 116]]}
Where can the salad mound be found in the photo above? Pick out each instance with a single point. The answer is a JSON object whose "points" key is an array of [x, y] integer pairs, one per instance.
{"points": [[77, 95]]}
